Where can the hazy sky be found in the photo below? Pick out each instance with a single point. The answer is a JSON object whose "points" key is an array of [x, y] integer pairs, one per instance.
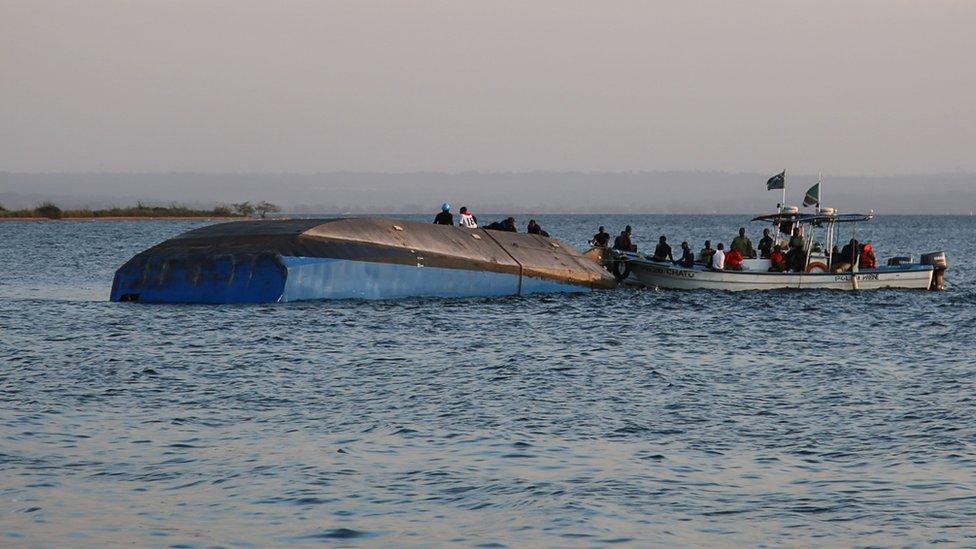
{"points": [[848, 87]]}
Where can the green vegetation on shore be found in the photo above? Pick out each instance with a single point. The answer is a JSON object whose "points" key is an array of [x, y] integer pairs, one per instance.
{"points": [[49, 210]]}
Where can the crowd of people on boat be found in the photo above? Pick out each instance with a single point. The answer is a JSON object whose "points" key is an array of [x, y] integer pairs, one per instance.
{"points": [[788, 257], [791, 257]]}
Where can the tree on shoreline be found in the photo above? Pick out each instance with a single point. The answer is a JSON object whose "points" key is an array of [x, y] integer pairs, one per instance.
{"points": [[244, 208], [264, 208], [49, 210]]}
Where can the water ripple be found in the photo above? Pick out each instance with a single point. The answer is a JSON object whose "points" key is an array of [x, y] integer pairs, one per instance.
{"points": [[630, 417]]}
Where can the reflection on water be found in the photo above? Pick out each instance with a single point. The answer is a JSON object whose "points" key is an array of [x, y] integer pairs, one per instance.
{"points": [[629, 416]]}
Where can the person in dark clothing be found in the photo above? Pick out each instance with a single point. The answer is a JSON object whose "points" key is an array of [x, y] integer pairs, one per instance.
{"points": [[535, 228], [795, 257], [765, 244], [445, 217], [850, 252], [687, 256], [845, 259], [663, 251], [508, 225], [602, 238], [623, 242]]}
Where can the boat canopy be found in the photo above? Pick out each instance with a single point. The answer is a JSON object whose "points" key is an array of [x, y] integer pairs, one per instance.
{"points": [[813, 219]]}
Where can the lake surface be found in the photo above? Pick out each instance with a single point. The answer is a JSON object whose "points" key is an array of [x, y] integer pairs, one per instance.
{"points": [[631, 417]]}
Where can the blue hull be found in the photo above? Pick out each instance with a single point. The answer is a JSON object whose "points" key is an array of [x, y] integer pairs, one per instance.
{"points": [[252, 278], [322, 278]]}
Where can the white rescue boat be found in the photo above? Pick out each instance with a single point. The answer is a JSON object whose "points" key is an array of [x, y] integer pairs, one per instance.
{"points": [[823, 268]]}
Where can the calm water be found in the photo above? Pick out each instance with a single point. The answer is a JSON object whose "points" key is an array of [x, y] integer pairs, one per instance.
{"points": [[635, 417]]}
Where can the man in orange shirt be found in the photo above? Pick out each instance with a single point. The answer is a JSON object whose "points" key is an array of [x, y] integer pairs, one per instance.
{"points": [[868, 259], [733, 260], [777, 259]]}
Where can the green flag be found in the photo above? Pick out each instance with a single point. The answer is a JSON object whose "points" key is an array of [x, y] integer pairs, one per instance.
{"points": [[813, 196], [777, 181]]}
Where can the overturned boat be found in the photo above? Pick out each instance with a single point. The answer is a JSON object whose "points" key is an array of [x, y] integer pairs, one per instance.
{"points": [[822, 267], [356, 258]]}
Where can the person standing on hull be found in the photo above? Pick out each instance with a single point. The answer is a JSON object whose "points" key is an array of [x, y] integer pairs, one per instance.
{"points": [[623, 242], [743, 245], [718, 258], [445, 217], [663, 250], [766, 245], [467, 221], [602, 238]]}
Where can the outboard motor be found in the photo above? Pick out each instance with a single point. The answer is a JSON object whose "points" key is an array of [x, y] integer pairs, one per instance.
{"points": [[939, 262]]}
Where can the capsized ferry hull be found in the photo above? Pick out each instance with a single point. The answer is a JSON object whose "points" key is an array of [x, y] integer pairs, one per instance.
{"points": [[660, 275], [310, 259]]}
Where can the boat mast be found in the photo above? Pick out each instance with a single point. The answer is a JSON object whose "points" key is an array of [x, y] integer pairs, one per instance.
{"points": [[831, 226], [820, 199], [856, 259], [808, 243]]}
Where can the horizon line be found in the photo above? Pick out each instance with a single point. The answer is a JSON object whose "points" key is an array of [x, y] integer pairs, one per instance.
{"points": [[956, 172]]}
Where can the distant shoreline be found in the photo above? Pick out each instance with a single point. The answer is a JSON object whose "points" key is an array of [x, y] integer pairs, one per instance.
{"points": [[133, 218], [526, 193], [175, 212]]}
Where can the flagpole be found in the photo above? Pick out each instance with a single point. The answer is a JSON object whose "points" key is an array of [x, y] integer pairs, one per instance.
{"points": [[783, 203], [820, 191]]}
